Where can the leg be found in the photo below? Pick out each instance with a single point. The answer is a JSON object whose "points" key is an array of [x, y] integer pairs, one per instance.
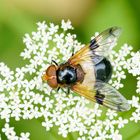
{"points": [[58, 89], [72, 51], [68, 90]]}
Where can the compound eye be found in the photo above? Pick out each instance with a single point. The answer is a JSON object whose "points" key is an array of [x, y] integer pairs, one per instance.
{"points": [[52, 83], [51, 71]]}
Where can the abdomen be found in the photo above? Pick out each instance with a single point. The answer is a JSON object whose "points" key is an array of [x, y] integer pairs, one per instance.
{"points": [[103, 70]]}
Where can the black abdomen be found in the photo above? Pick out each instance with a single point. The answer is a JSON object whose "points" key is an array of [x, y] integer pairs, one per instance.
{"points": [[103, 70]]}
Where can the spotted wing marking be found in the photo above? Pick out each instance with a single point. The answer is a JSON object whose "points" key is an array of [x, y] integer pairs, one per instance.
{"points": [[103, 94]]}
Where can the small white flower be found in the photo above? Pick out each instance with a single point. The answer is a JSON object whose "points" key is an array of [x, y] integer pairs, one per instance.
{"points": [[36, 36], [103, 135], [47, 124], [109, 125], [63, 130], [135, 117], [25, 54], [9, 132], [5, 113], [116, 136], [135, 101], [66, 25], [134, 67], [121, 122], [27, 40], [97, 111], [111, 114], [42, 26], [53, 29], [138, 85], [24, 136], [59, 38], [120, 75], [117, 84]]}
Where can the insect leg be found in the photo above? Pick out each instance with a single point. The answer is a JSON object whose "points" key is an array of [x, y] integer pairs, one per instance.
{"points": [[72, 51], [68, 90], [58, 89]]}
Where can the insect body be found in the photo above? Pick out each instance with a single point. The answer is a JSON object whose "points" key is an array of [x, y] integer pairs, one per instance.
{"points": [[88, 71], [66, 75]]}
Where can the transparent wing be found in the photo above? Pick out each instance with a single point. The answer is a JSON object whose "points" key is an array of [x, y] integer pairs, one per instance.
{"points": [[110, 97], [105, 41], [85, 55], [85, 91], [98, 48], [103, 94]]}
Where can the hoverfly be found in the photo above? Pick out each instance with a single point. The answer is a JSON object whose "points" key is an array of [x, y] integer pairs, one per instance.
{"points": [[88, 71]]}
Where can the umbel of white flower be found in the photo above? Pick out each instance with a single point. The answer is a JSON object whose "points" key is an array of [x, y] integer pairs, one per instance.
{"points": [[24, 96]]}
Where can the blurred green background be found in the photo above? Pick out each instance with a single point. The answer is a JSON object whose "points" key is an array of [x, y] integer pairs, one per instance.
{"points": [[87, 16]]}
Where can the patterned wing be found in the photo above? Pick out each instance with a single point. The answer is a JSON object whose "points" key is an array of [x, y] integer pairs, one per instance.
{"points": [[84, 54], [110, 97], [105, 41], [103, 94], [98, 47]]}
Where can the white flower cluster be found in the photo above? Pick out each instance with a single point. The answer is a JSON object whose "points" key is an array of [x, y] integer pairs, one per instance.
{"points": [[11, 134], [23, 95], [134, 64], [119, 63]]}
